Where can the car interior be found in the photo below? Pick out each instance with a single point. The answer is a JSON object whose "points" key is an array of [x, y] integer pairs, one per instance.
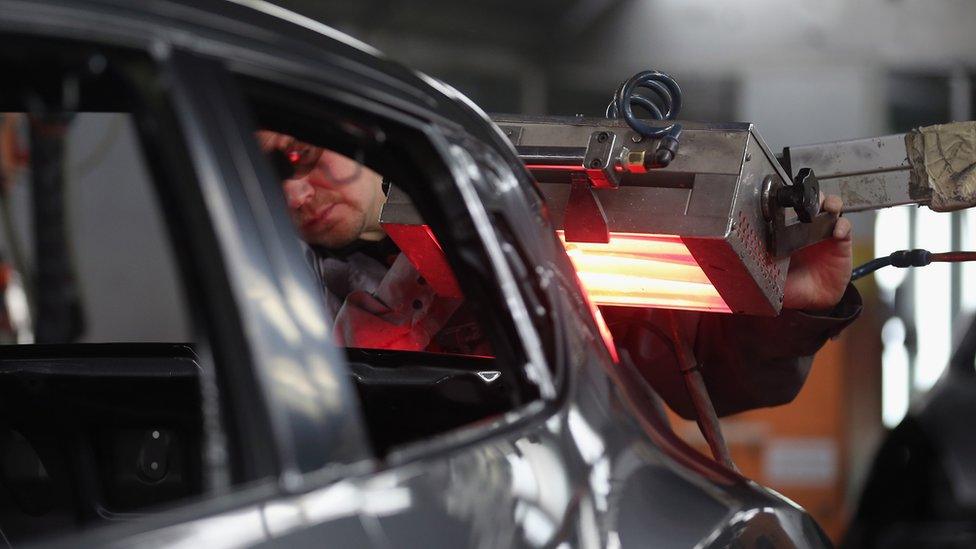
{"points": [[93, 432], [407, 395]]}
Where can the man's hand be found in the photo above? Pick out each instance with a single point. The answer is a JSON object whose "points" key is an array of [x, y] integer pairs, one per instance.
{"points": [[819, 274]]}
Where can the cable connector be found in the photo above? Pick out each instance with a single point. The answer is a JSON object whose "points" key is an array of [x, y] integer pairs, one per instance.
{"points": [[667, 148], [910, 258]]}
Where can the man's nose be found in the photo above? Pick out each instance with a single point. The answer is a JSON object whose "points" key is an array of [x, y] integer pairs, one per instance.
{"points": [[298, 192]]}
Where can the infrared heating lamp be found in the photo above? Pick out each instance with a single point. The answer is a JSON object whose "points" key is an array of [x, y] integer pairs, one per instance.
{"points": [[692, 235], [643, 270], [712, 227], [707, 231]]}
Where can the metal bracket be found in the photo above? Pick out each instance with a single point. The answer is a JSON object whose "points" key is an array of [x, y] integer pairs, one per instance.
{"points": [[585, 219], [786, 239], [868, 174], [600, 161], [513, 133]]}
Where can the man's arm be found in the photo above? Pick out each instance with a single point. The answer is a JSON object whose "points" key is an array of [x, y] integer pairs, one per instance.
{"points": [[746, 361], [750, 361]]}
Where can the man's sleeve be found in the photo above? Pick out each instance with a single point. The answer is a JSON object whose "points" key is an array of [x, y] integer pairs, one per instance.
{"points": [[747, 361]]}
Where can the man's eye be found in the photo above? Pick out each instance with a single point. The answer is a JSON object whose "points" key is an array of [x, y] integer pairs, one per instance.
{"points": [[302, 158], [300, 155]]}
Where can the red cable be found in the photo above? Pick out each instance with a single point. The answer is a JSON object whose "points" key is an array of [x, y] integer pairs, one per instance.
{"points": [[954, 256]]}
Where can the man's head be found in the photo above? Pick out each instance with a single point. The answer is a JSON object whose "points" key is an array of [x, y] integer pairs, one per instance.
{"points": [[333, 200]]}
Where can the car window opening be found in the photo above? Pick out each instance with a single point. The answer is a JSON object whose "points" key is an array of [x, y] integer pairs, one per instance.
{"points": [[422, 352]]}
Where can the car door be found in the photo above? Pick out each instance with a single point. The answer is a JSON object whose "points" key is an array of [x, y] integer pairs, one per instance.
{"points": [[323, 485], [573, 453], [577, 454], [197, 404], [491, 479]]}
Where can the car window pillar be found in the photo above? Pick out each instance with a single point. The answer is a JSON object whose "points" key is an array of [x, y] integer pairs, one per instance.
{"points": [[296, 379]]}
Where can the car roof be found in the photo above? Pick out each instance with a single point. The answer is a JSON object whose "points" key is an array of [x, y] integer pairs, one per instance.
{"points": [[250, 32]]}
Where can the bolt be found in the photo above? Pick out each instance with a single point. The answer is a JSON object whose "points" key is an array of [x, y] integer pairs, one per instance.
{"points": [[595, 163], [155, 434], [601, 137], [154, 466]]}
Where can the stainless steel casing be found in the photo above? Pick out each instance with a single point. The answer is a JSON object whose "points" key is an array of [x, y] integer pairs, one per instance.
{"points": [[709, 195]]}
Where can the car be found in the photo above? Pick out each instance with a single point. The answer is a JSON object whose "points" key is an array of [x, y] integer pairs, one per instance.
{"points": [[251, 428], [925, 457]]}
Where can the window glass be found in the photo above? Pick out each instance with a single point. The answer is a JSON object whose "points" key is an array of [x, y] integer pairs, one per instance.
{"points": [[86, 260], [428, 354], [100, 373], [383, 275], [118, 275]]}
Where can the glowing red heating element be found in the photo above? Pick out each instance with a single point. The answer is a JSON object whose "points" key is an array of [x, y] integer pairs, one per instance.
{"points": [[425, 253], [644, 271]]}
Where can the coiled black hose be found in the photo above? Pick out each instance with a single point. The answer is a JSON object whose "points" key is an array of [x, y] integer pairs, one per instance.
{"points": [[663, 104]]}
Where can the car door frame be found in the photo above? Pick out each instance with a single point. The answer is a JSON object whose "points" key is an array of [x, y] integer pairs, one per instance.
{"points": [[245, 203], [301, 386]]}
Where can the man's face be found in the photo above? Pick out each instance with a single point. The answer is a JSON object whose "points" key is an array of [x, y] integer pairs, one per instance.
{"points": [[333, 200]]}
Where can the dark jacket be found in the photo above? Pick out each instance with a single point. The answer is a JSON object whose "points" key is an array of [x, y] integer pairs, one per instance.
{"points": [[747, 361]]}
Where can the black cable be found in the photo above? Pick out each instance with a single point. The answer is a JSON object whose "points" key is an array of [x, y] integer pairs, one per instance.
{"points": [[869, 267], [663, 104], [667, 106], [910, 258]]}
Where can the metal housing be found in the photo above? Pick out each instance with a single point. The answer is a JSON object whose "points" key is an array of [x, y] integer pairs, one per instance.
{"points": [[710, 195]]}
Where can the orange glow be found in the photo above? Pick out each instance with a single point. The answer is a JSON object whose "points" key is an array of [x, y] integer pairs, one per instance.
{"points": [[554, 167], [426, 255], [601, 323], [644, 271]]}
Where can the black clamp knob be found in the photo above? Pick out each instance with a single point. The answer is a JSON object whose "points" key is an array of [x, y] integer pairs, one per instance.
{"points": [[803, 195]]}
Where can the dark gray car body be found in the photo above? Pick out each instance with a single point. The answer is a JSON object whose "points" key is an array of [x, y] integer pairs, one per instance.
{"points": [[592, 463]]}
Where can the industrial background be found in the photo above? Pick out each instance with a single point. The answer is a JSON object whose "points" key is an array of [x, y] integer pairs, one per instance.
{"points": [[804, 72]]}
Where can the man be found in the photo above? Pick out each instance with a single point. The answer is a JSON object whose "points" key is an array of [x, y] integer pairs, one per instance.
{"points": [[376, 297], [379, 300]]}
